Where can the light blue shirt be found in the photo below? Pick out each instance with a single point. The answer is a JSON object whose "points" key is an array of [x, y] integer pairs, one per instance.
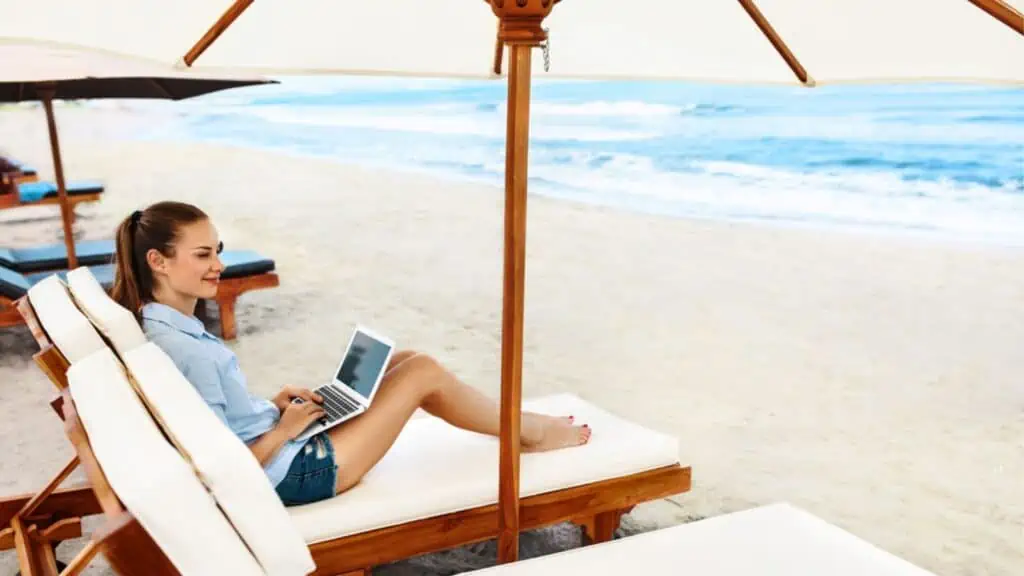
{"points": [[212, 368]]}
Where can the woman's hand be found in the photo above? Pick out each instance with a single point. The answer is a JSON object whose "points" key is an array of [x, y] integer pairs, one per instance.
{"points": [[289, 393], [297, 416]]}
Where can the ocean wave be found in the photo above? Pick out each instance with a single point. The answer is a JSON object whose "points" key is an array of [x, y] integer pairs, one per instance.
{"points": [[438, 120], [624, 109], [912, 158]]}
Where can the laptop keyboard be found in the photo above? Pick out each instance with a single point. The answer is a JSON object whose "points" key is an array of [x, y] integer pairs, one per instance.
{"points": [[336, 404]]}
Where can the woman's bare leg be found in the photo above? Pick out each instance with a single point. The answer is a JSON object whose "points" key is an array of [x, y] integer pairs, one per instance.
{"points": [[399, 357], [419, 381], [402, 355]]}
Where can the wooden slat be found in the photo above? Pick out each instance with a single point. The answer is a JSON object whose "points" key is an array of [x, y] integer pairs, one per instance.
{"points": [[45, 558], [30, 507], [66, 529], [780, 46], [81, 560], [1003, 12], [460, 528], [74, 501], [54, 365], [26, 555]]}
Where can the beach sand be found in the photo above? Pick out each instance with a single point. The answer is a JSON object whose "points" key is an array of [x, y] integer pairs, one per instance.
{"points": [[876, 381]]}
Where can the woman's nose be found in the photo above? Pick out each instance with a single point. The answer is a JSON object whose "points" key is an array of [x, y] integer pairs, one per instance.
{"points": [[217, 264]]}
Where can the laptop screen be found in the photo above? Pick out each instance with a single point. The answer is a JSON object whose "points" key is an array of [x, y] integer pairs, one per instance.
{"points": [[363, 363]]}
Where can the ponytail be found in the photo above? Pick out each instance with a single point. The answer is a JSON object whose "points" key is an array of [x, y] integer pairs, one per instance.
{"points": [[127, 291], [155, 228]]}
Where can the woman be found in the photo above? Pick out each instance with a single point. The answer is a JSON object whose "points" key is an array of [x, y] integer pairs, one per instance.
{"points": [[167, 259]]}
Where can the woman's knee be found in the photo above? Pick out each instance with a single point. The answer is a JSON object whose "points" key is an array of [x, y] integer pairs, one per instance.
{"points": [[399, 357], [421, 372]]}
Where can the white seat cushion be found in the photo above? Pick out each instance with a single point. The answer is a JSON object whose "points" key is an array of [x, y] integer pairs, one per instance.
{"points": [[776, 540], [434, 469], [68, 329], [149, 476], [223, 461], [114, 321]]}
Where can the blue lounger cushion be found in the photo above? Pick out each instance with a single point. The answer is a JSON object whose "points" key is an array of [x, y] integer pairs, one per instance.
{"points": [[237, 264], [12, 284], [96, 253], [36, 191], [54, 256]]}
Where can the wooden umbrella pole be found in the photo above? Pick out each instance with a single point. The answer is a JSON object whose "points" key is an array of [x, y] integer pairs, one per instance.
{"points": [[47, 94], [516, 146], [520, 27]]}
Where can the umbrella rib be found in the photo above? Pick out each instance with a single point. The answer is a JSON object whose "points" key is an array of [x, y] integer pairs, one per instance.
{"points": [[499, 52], [776, 41], [1003, 12], [226, 20]]}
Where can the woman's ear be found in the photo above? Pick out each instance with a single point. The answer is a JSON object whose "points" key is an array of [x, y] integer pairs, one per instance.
{"points": [[156, 260]]}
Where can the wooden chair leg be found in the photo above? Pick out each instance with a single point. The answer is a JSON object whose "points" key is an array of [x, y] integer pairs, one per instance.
{"points": [[228, 326], [603, 526]]}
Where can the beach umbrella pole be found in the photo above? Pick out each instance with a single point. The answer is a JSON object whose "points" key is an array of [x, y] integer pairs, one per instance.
{"points": [[520, 28], [516, 145], [47, 93]]}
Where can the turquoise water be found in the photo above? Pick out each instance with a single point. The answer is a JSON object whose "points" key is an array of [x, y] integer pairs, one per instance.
{"points": [[947, 160]]}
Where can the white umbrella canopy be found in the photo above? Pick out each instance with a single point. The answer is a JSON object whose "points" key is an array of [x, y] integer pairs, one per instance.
{"points": [[710, 40]]}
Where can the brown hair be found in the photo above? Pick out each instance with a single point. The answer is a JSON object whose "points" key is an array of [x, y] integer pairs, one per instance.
{"points": [[155, 228]]}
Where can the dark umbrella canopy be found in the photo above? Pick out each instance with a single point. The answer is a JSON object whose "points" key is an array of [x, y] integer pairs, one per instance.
{"points": [[74, 73], [40, 71]]}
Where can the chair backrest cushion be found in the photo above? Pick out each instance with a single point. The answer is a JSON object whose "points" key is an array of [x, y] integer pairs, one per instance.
{"points": [[114, 321], [68, 329], [149, 476], [226, 465]]}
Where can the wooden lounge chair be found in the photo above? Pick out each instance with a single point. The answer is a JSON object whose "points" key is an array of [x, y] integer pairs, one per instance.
{"points": [[774, 540], [436, 488], [19, 192], [244, 271]]}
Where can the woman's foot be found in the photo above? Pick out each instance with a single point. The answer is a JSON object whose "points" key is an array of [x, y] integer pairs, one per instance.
{"points": [[546, 420], [559, 433]]}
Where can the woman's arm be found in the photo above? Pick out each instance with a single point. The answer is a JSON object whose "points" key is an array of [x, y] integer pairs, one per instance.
{"points": [[268, 444], [295, 418]]}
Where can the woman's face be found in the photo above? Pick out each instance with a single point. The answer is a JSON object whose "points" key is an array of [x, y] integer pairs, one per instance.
{"points": [[195, 268]]}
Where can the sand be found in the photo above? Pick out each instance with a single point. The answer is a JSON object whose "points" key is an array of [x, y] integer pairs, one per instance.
{"points": [[876, 381]]}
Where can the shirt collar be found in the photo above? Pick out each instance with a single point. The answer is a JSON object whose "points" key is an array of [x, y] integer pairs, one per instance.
{"points": [[164, 314]]}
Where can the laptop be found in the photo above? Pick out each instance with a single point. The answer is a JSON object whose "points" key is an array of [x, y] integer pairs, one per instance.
{"points": [[355, 381]]}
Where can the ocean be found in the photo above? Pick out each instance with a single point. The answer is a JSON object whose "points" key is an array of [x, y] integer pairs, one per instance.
{"points": [[945, 160]]}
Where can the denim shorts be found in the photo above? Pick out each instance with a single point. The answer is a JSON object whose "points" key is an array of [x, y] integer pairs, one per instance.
{"points": [[312, 475]]}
